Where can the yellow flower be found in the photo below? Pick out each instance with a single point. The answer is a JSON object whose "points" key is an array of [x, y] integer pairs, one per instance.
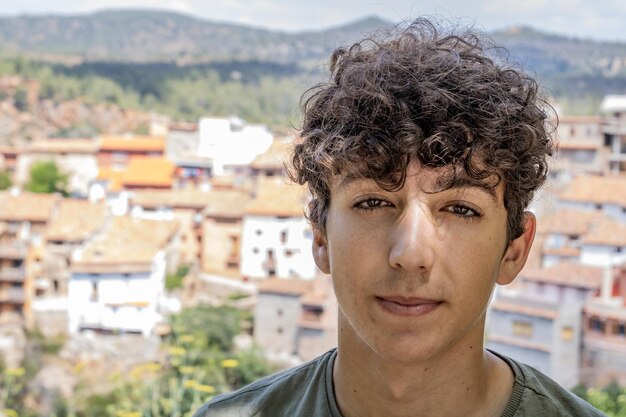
{"points": [[177, 351], [78, 368], [152, 367], [187, 370], [15, 371], [192, 383], [230, 363], [10, 413], [205, 388], [187, 338], [123, 413]]}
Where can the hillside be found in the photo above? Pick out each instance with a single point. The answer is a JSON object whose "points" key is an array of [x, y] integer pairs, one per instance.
{"points": [[187, 67]]}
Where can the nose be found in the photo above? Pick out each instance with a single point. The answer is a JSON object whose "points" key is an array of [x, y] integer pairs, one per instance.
{"points": [[413, 240]]}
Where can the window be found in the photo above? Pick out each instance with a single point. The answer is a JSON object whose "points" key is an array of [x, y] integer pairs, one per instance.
{"points": [[279, 330], [283, 237], [596, 324], [523, 329], [279, 312], [567, 333], [94, 292], [258, 232], [620, 329]]}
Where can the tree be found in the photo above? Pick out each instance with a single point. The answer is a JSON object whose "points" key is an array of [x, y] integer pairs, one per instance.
{"points": [[5, 180], [45, 177]]}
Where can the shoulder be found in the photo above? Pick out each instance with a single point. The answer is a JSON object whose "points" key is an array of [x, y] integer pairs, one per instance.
{"points": [[537, 394], [280, 394]]}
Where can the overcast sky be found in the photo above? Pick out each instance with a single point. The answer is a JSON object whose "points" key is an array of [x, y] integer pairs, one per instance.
{"points": [[596, 19]]}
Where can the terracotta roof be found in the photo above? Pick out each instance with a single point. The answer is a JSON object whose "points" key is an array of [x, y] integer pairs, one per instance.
{"points": [[564, 251], [227, 203], [295, 287], [27, 206], [274, 157], [184, 126], [71, 146], [579, 119], [149, 172], [578, 145], [569, 222], [608, 232], [566, 273], [132, 143], [10, 150], [597, 189], [186, 198], [515, 341], [76, 220], [127, 243], [113, 176], [277, 198]]}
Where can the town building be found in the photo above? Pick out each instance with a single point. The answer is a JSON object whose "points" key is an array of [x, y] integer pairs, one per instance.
{"points": [[606, 194], [614, 128], [581, 147], [74, 157], [277, 238], [117, 151], [231, 143], [117, 280], [295, 319], [539, 320]]}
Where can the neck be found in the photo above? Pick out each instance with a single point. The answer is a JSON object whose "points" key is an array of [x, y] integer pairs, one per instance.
{"points": [[464, 380]]}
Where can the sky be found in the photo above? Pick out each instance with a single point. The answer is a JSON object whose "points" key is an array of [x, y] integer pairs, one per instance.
{"points": [[590, 19]]}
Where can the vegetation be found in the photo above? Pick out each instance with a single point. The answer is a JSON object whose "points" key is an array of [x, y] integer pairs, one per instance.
{"points": [[5, 180], [611, 399], [175, 280], [200, 362], [46, 177]]}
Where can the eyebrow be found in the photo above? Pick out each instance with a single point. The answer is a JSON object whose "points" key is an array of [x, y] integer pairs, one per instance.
{"points": [[460, 182]]}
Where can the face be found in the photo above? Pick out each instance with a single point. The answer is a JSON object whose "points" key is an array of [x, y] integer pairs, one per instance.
{"points": [[413, 270]]}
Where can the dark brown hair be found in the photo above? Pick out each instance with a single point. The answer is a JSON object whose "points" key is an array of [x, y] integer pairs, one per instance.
{"points": [[422, 94]]}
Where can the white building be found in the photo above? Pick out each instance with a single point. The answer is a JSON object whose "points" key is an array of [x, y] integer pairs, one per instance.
{"points": [[276, 237], [231, 142], [118, 280]]}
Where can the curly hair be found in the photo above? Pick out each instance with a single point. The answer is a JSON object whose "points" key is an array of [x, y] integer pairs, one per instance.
{"points": [[424, 95]]}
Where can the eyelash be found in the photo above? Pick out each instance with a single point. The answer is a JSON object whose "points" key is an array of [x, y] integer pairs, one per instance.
{"points": [[459, 210]]}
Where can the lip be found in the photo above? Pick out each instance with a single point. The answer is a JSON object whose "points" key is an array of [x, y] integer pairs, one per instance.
{"points": [[407, 306]]}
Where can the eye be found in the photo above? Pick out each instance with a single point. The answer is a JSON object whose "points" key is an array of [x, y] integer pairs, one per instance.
{"points": [[464, 211], [370, 204]]}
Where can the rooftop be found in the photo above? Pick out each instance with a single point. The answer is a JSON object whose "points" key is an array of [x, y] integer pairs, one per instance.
{"points": [[569, 222], [607, 232], [613, 103], [129, 243], [27, 206], [274, 157], [597, 189], [76, 220], [296, 287], [277, 198], [132, 143], [64, 146], [566, 273], [227, 203], [149, 172]]}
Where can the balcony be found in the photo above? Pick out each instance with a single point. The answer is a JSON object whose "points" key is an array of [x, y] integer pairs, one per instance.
{"points": [[13, 250], [12, 274], [12, 295]]}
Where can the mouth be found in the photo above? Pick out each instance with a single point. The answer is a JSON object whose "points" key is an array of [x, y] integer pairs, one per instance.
{"points": [[407, 306]]}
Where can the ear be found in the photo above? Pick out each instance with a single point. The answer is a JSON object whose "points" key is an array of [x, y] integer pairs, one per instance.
{"points": [[517, 252], [320, 251]]}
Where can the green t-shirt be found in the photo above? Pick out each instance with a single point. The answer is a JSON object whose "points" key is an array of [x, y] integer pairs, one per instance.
{"points": [[307, 390]]}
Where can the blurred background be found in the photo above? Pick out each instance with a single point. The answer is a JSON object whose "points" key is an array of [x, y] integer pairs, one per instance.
{"points": [[152, 253]]}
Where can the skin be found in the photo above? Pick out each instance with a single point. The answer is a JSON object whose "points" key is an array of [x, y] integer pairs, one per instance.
{"points": [[413, 272]]}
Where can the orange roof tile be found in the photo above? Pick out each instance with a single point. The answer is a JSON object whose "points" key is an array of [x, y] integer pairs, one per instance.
{"points": [[564, 251], [113, 176], [527, 310], [285, 286], [132, 143], [127, 243], [608, 232], [76, 220], [569, 222], [149, 172], [277, 198], [27, 206], [274, 157], [578, 145], [597, 189], [566, 273], [580, 119], [227, 203]]}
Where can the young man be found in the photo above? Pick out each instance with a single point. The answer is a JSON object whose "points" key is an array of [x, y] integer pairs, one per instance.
{"points": [[422, 154]]}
